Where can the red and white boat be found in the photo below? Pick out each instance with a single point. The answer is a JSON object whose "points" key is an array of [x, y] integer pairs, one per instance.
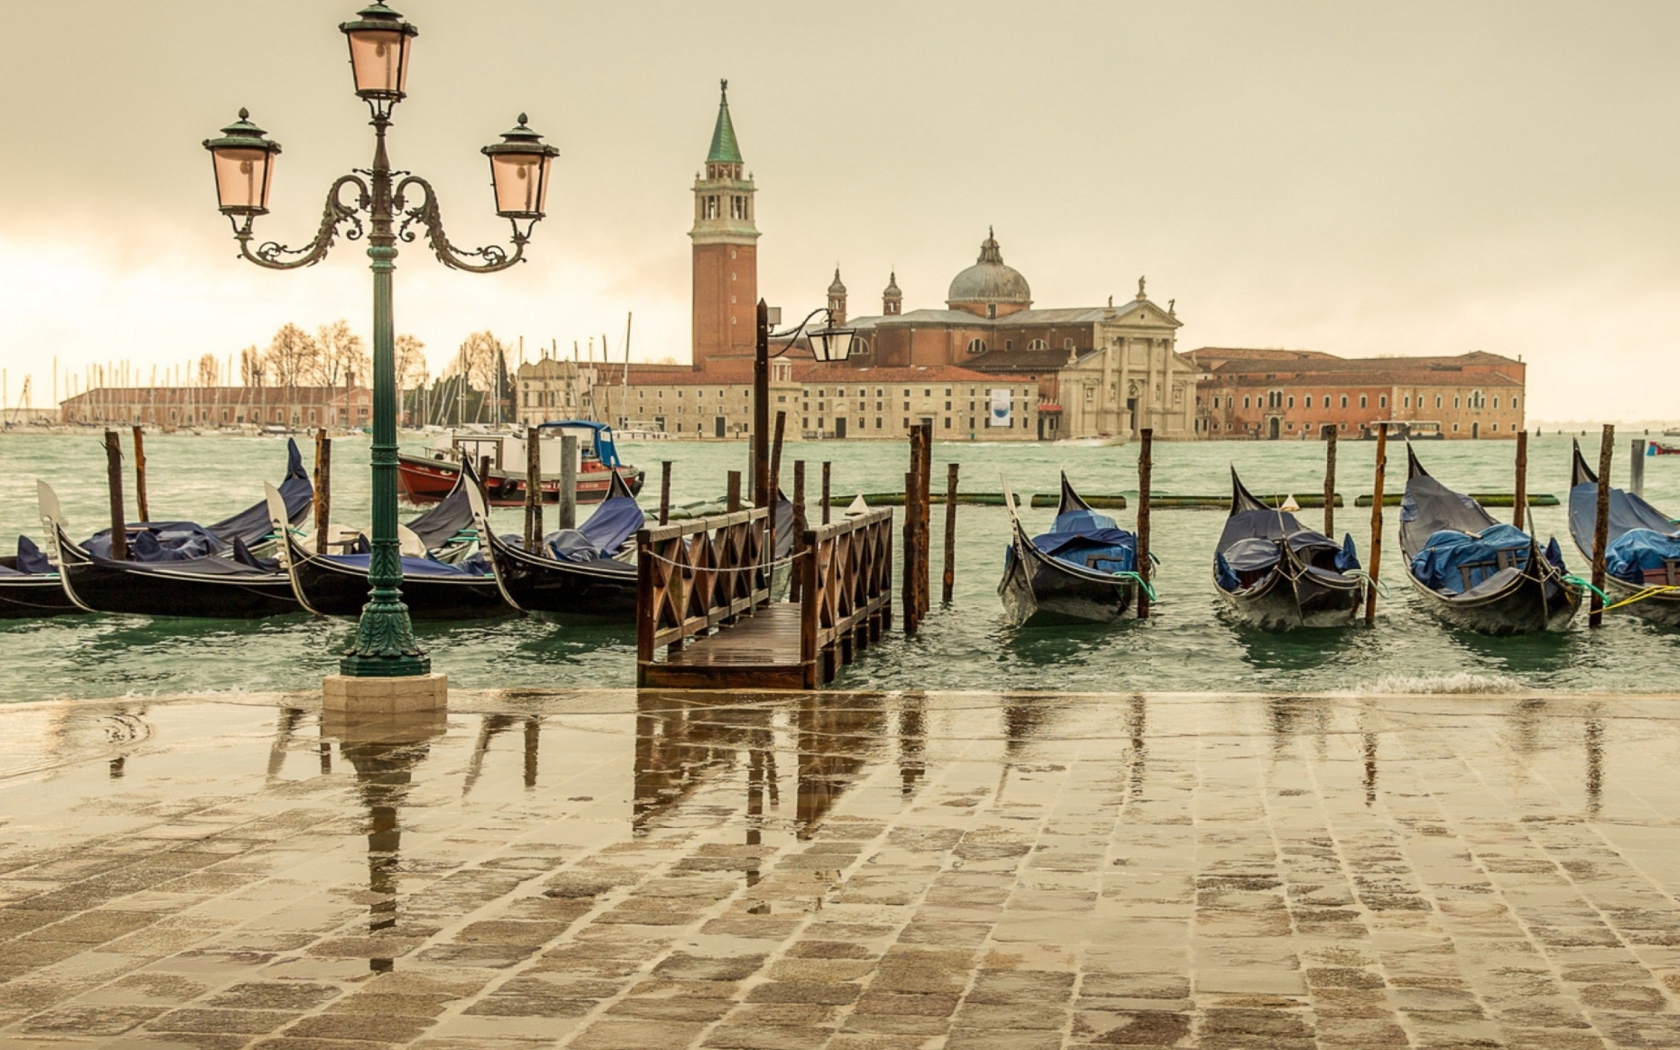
{"points": [[430, 477]]}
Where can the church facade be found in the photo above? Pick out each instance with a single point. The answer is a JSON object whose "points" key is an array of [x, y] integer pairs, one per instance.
{"points": [[1101, 372]]}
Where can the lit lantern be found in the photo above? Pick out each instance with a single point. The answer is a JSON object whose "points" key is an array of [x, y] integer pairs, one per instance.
{"points": [[244, 162], [519, 170], [380, 43]]}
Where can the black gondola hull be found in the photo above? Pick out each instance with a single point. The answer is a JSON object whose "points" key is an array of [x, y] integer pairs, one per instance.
{"points": [[1275, 605], [1528, 605], [574, 592], [328, 588], [155, 589], [1039, 591], [26, 597], [1659, 608]]}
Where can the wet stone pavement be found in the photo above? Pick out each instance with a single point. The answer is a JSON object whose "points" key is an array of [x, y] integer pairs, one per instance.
{"points": [[614, 871]]}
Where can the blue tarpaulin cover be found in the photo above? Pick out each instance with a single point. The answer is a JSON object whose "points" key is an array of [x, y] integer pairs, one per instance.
{"points": [[30, 560], [1091, 541], [1636, 550], [1252, 543], [1440, 564], [1641, 536], [614, 521]]}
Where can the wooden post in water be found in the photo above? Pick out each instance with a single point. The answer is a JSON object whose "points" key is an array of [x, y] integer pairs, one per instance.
{"points": [[1376, 525], [925, 493], [1520, 498], [568, 480], [907, 586], [323, 488], [1146, 468], [1636, 468], [754, 496], [664, 492], [733, 498], [113, 474], [1330, 482], [533, 491], [950, 534], [1601, 525], [140, 503], [776, 456], [827, 469], [484, 480], [795, 587]]}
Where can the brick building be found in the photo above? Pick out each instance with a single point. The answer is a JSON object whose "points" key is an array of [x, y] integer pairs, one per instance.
{"points": [[222, 406], [1284, 394]]}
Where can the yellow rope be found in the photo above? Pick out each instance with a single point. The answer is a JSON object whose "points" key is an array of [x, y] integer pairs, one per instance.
{"points": [[1649, 592]]}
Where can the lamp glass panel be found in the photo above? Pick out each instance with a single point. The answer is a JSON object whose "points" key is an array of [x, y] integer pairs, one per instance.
{"points": [[243, 177], [519, 183], [379, 58]]}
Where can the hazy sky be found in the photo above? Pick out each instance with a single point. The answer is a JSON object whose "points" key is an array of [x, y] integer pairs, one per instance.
{"points": [[1357, 178]]}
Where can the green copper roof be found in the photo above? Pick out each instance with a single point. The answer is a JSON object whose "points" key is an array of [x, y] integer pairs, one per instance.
{"points": [[724, 147]]}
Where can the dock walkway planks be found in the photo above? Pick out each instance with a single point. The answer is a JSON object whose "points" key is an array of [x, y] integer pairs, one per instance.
{"points": [[759, 651]]}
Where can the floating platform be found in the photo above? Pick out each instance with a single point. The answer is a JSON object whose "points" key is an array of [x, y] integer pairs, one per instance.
{"points": [[1486, 499]]}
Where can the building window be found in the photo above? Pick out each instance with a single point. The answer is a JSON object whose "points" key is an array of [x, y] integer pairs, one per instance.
{"points": [[1291, 400], [1245, 405], [1038, 344], [1067, 344], [1456, 400], [1496, 403], [1408, 401], [860, 346], [1513, 401], [1495, 429], [1362, 401], [1437, 400], [1008, 344], [1455, 428], [1382, 401], [877, 427], [906, 423], [1344, 400], [1306, 402], [976, 346], [947, 427]]}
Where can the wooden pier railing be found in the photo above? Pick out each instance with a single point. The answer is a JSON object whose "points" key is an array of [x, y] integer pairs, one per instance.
{"points": [[704, 600]]}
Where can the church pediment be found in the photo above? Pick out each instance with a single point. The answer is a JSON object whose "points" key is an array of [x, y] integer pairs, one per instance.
{"points": [[1141, 313]]}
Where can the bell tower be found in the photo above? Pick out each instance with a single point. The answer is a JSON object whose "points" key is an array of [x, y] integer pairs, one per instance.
{"points": [[725, 251], [837, 298]]}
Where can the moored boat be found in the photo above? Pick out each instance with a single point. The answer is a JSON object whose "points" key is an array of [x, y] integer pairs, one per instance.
{"points": [[1642, 553], [1276, 574], [1084, 570], [430, 477], [29, 585], [1477, 573]]}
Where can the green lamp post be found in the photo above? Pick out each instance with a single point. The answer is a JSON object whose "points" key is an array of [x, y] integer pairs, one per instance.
{"points": [[243, 159]]}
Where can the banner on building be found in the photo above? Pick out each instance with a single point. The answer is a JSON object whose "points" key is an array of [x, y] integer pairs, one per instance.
{"points": [[1001, 408]]}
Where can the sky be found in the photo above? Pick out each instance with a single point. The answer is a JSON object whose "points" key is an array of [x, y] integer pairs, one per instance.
{"points": [[1363, 179]]}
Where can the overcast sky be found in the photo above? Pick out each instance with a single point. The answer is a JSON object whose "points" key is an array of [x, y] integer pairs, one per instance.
{"points": [[1357, 178]]}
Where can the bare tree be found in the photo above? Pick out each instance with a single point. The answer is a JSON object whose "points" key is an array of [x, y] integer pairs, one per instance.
{"points": [[209, 372], [410, 360], [250, 367], [343, 355], [482, 358], [292, 359]]}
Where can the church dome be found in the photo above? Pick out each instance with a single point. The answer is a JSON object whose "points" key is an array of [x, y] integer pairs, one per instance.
{"points": [[989, 280]]}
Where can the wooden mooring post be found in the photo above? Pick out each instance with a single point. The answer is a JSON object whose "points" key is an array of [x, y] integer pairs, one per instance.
{"points": [[950, 534], [1519, 499], [1636, 469], [924, 491], [909, 573], [664, 492], [113, 475], [323, 488], [733, 499], [1146, 468], [795, 581], [568, 481], [827, 467], [533, 490], [1330, 482], [1376, 525], [1601, 526], [141, 506]]}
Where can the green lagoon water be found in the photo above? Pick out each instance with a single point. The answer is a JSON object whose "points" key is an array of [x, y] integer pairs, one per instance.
{"points": [[1188, 645]]}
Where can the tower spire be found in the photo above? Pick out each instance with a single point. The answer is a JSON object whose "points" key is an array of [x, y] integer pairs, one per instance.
{"points": [[725, 150]]}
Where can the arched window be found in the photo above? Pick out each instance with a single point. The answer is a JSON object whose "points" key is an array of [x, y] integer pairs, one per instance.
{"points": [[1038, 344], [976, 346], [860, 345]]}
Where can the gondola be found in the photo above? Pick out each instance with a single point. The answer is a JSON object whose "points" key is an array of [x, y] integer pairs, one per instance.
{"points": [[1082, 571], [337, 584], [1276, 574], [180, 568], [1477, 573], [1643, 550], [576, 576], [29, 585]]}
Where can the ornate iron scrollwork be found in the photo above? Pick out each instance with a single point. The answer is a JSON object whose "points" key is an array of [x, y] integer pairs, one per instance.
{"points": [[271, 254], [426, 213]]}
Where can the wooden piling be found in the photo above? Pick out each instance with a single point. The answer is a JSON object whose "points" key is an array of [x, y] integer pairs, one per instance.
{"points": [[1146, 468], [1330, 482], [1601, 526], [907, 586], [1519, 499], [323, 488], [733, 499], [568, 481], [1376, 525], [827, 469], [1636, 469], [757, 498], [113, 475], [950, 534], [925, 517], [533, 490], [141, 506], [776, 456], [664, 492], [799, 526]]}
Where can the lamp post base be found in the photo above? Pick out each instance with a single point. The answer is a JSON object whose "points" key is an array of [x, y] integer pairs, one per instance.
{"points": [[385, 695], [355, 665]]}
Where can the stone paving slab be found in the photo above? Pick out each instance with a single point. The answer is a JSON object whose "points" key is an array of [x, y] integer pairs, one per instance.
{"points": [[624, 871]]}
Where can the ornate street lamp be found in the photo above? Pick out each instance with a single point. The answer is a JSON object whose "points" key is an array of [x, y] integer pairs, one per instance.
{"points": [[380, 46], [830, 343]]}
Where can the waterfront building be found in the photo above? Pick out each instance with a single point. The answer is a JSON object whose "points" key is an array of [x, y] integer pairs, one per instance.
{"points": [[1293, 394], [219, 406], [1100, 371]]}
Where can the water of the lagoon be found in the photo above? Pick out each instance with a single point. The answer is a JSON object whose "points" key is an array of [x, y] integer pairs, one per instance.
{"points": [[1188, 645]]}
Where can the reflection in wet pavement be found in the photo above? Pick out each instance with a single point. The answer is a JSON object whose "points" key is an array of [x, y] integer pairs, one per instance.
{"points": [[611, 870]]}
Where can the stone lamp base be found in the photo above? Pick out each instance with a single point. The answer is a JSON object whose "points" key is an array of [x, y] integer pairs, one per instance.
{"points": [[385, 696]]}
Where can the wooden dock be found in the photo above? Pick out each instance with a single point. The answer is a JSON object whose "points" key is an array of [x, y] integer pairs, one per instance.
{"points": [[705, 599]]}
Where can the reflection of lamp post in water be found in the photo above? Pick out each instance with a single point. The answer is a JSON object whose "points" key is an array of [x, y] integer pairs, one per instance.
{"points": [[380, 45], [384, 754]]}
